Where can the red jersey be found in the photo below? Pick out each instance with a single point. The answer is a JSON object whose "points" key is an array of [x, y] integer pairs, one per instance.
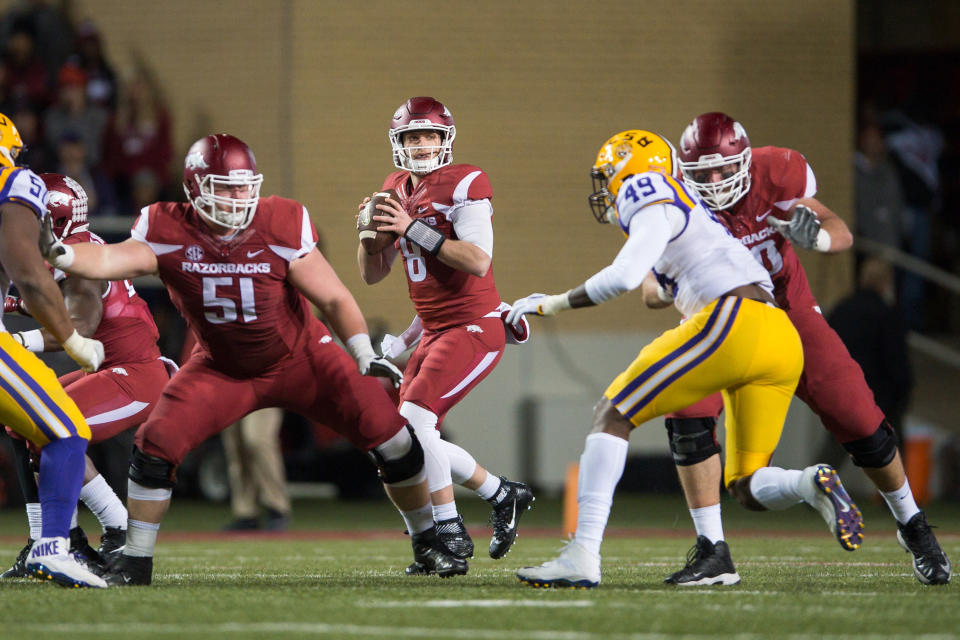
{"points": [[778, 178], [234, 293], [126, 329], [444, 297]]}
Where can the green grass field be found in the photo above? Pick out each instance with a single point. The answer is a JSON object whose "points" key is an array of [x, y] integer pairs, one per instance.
{"points": [[339, 574]]}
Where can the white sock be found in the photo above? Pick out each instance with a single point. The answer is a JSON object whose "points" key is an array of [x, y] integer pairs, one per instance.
{"points": [[73, 519], [418, 520], [775, 488], [141, 538], [446, 511], [104, 503], [601, 465], [708, 522], [435, 459], [462, 464], [488, 489], [901, 503], [35, 519]]}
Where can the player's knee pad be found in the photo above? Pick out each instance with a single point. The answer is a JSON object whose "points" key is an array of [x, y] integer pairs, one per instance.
{"points": [[876, 450], [151, 471], [403, 469], [692, 440]]}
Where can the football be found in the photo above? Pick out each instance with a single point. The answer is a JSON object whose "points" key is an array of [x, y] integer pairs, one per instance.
{"points": [[375, 241]]}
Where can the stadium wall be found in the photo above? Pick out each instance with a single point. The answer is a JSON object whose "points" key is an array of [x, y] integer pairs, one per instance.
{"points": [[535, 88]]}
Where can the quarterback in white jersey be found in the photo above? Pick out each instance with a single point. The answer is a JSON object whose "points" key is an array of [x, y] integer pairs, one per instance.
{"points": [[735, 340]]}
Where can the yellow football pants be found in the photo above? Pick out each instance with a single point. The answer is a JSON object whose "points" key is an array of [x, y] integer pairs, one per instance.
{"points": [[746, 349], [32, 402]]}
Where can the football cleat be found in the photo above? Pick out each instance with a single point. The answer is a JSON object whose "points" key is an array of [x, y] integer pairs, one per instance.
{"points": [[48, 560], [130, 571], [19, 568], [707, 563], [821, 488], [81, 550], [511, 501], [574, 568], [113, 540], [930, 563], [432, 557], [454, 536]]}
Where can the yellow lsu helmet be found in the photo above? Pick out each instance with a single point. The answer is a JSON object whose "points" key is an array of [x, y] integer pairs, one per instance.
{"points": [[10, 143], [627, 153]]}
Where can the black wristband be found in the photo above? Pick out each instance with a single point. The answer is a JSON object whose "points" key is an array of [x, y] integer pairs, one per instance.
{"points": [[424, 236]]}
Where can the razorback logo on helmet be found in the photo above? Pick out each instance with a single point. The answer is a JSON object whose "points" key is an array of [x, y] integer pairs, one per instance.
{"points": [[67, 204], [194, 160]]}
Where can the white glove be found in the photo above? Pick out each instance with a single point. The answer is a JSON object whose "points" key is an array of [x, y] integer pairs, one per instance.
{"points": [[803, 229], [392, 346], [516, 333], [538, 303], [369, 363], [59, 255], [86, 352]]}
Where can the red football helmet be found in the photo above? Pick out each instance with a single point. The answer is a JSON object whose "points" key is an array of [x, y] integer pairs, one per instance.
{"points": [[221, 162], [417, 114], [66, 203], [716, 143]]}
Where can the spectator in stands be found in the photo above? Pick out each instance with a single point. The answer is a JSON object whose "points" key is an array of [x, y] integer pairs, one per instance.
{"points": [[870, 327], [72, 160], [35, 154], [101, 79], [139, 136], [50, 28], [879, 196], [73, 112], [23, 75]]}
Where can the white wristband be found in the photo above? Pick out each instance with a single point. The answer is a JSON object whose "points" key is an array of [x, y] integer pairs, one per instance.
{"points": [[359, 347], [822, 243], [552, 305], [31, 340]]}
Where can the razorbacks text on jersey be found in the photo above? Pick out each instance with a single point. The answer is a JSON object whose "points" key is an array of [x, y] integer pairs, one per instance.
{"points": [[702, 261], [126, 328], [22, 186], [778, 177], [443, 296], [235, 294]]}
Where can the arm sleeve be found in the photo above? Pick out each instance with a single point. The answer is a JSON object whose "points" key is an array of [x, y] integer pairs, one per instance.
{"points": [[649, 234], [472, 223]]}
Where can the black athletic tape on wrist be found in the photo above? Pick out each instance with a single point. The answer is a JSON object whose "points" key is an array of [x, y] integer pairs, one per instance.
{"points": [[425, 236]]}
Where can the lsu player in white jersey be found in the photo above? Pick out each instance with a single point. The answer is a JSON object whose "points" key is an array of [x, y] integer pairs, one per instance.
{"points": [[735, 340], [32, 402]]}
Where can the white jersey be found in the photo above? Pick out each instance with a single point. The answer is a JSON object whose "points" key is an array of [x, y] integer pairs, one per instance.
{"points": [[22, 186], [691, 253]]}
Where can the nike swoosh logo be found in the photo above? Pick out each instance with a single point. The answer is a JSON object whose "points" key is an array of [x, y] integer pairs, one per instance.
{"points": [[422, 209], [764, 215], [254, 254], [843, 503], [513, 517]]}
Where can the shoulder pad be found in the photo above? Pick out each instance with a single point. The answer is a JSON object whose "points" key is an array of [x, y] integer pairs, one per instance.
{"points": [[644, 189]]}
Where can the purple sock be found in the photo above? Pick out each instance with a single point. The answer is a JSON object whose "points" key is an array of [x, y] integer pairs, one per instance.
{"points": [[61, 477]]}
